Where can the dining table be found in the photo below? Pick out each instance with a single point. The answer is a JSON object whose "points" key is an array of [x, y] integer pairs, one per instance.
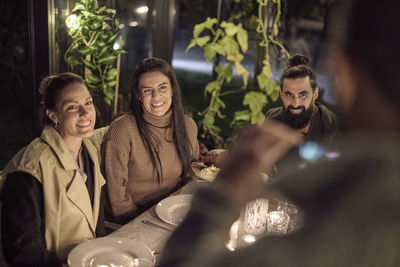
{"points": [[152, 229], [149, 229]]}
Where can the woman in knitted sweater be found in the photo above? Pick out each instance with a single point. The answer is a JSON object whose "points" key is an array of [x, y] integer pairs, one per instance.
{"points": [[146, 154]]}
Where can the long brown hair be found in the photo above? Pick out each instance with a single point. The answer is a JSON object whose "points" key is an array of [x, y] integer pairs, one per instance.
{"points": [[177, 124]]}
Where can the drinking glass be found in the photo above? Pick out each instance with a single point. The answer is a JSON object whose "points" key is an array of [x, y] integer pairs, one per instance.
{"points": [[277, 223], [255, 216]]}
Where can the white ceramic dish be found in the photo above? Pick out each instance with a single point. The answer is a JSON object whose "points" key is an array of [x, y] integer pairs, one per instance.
{"points": [[111, 252], [174, 208]]}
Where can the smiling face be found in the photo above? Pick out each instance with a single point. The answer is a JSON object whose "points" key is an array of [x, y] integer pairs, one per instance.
{"points": [[155, 93], [74, 114], [298, 98]]}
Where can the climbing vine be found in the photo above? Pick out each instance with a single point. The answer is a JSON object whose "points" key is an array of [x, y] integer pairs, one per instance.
{"points": [[225, 43]]}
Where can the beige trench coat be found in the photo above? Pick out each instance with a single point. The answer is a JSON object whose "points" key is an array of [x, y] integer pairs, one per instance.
{"points": [[69, 215]]}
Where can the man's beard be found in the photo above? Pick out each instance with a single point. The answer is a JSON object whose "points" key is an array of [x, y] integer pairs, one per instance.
{"points": [[298, 121]]}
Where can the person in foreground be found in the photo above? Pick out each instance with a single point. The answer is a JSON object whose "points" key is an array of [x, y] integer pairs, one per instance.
{"points": [[147, 153], [351, 205], [51, 191], [300, 109]]}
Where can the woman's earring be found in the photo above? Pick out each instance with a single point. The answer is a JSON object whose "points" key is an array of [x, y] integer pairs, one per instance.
{"points": [[56, 125]]}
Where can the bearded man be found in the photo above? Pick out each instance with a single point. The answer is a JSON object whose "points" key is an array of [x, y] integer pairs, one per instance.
{"points": [[300, 110]]}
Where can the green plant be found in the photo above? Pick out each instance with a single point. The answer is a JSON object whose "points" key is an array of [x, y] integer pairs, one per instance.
{"points": [[228, 41], [94, 31]]}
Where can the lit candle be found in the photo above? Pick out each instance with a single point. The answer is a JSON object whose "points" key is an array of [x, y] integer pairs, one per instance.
{"points": [[233, 236]]}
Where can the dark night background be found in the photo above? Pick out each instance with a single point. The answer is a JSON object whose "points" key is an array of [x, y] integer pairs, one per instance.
{"points": [[16, 79]]}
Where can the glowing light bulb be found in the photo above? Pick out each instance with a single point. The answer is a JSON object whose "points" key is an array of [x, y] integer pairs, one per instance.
{"points": [[142, 9], [72, 22]]}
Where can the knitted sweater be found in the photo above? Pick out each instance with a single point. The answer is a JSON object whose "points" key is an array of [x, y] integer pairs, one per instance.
{"points": [[131, 180]]}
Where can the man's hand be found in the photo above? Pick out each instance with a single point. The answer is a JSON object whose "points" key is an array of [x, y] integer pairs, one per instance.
{"points": [[257, 149]]}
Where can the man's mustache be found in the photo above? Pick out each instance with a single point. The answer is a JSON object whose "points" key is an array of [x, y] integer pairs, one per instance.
{"points": [[295, 108]]}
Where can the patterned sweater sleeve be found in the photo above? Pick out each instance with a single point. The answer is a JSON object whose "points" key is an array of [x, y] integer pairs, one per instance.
{"points": [[191, 128], [116, 152]]}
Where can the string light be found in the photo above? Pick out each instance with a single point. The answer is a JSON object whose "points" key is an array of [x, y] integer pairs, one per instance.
{"points": [[72, 22]]}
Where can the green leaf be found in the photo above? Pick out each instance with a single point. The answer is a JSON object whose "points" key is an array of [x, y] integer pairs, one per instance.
{"points": [[72, 61], [116, 25], [228, 73], [112, 39], [107, 60], [112, 83], [231, 47], [236, 58], [209, 52], [202, 40], [94, 39], [240, 70], [275, 95], [93, 79], [78, 38], [263, 82], [120, 51], [101, 44], [108, 91], [101, 9], [102, 51], [267, 85], [245, 78], [93, 86], [191, 45], [112, 74], [230, 28], [266, 70], [243, 115], [211, 86], [198, 29], [218, 103], [255, 100], [89, 64], [257, 118], [79, 6], [96, 24], [208, 120], [242, 38], [111, 11], [86, 50], [209, 23], [225, 71], [106, 27], [219, 49], [107, 100]]}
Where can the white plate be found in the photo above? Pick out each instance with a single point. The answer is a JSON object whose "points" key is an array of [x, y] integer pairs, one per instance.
{"points": [[112, 252], [174, 208]]}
